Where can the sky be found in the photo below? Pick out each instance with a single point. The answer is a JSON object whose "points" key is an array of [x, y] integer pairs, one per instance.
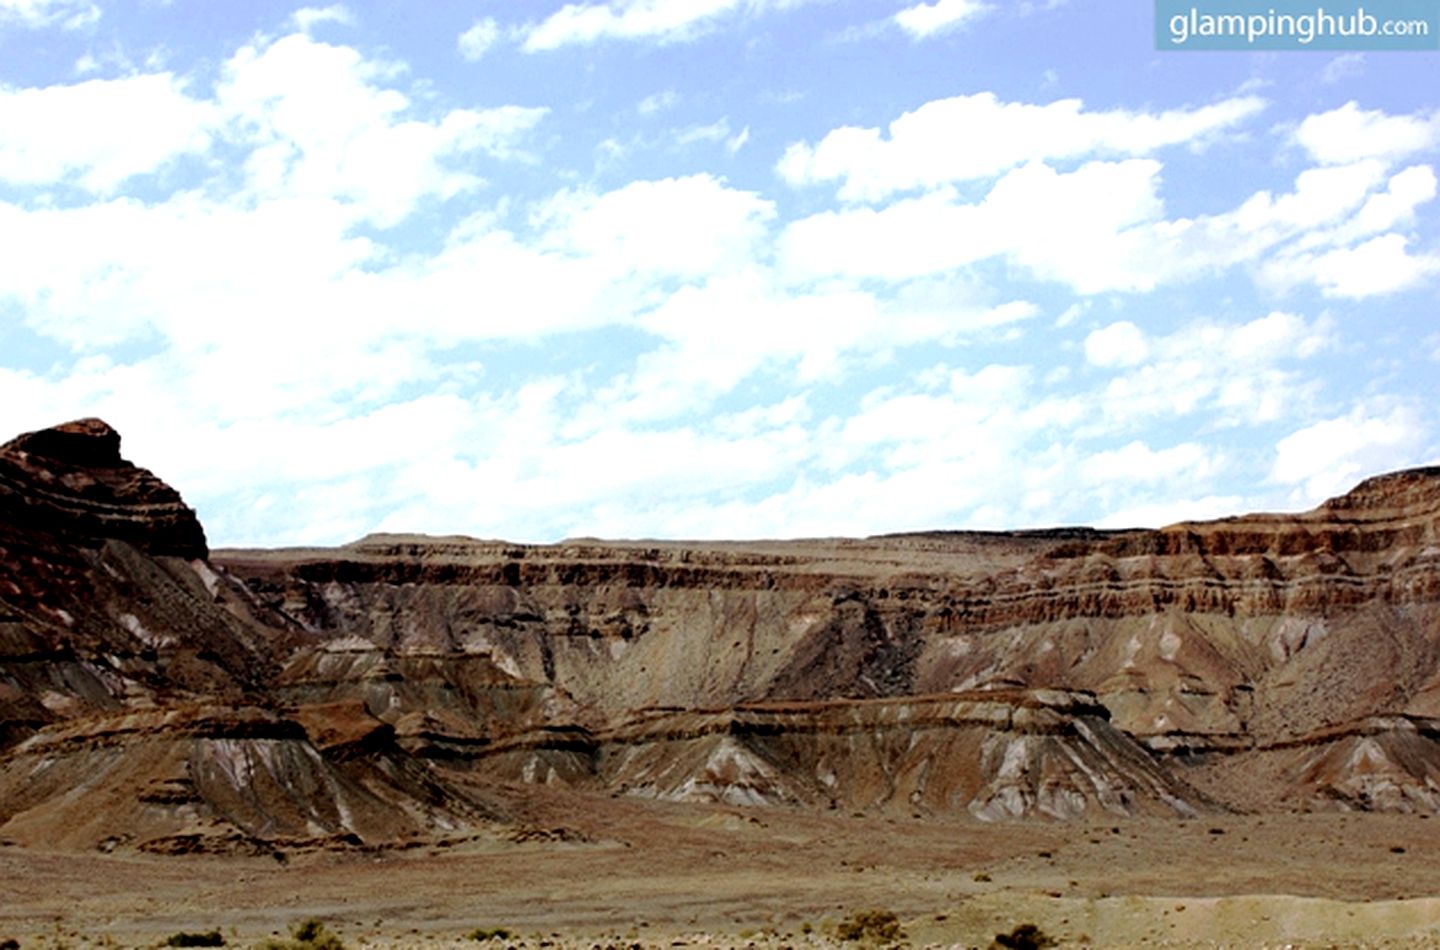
{"points": [[713, 268]]}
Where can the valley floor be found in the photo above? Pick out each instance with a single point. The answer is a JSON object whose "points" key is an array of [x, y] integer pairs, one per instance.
{"points": [[623, 872]]}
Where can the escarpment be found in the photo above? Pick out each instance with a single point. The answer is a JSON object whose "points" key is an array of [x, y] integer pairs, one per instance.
{"points": [[1266, 625], [401, 687]]}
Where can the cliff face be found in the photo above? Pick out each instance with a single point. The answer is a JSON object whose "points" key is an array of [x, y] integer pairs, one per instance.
{"points": [[1265, 627], [1225, 638], [398, 685], [138, 682], [106, 600]]}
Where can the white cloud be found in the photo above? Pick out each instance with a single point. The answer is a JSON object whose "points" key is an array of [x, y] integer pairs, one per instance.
{"points": [[321, 124], [924, 20], [34, 14], [1327, 458], [324, 145], [1381, 265], [1343, 67], [1119, 344], [710, 369], [658, 102], [730, 328], [1395, 207], [100, 132], [691, 226], [1102, 228], [1077, 227], [1351, 134], [1138, 463], [1238, 372], [665, 21], [1159, 514], [978, 136], [307, 18], [1335, 218], [475, 42], [717, 131]]}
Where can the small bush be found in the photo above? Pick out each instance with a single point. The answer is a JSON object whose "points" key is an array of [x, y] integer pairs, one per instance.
{"points": [[210, 938], [309, 934], [878, 926], [489, 933], [1024, 937]]}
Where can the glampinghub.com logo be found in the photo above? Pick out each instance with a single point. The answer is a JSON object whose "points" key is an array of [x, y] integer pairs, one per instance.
{"points": [[1302, 25]]}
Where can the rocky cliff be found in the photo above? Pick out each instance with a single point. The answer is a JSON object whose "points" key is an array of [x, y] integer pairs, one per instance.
{"points": [[399, 685]]}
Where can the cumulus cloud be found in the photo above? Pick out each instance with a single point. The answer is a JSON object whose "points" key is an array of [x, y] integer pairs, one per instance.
{"points": [[322, 123], [1328, 457], [307, 18], [1119, 344], [845, 368], [1138, 462], [1342, 67], [35, 14], [1070, 226], [657, 102], [1379, 266], [475, 42], [101, 132], [924, 20], [1102, 228], [1352, 134], [692, 226], [1240, 373], [661, 21], [327, 145], [979, 136]]}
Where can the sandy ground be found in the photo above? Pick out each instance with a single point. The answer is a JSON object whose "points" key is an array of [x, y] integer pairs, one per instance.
{"points": [[671, 875]]}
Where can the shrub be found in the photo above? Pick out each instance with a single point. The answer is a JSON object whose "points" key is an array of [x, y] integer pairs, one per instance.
{"points": [[878, 926], [489, 933], [309, 934], [210, 938], [1024, 937]]}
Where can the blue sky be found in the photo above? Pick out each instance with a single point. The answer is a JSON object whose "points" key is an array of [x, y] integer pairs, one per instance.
{"points": [[713, 268]]}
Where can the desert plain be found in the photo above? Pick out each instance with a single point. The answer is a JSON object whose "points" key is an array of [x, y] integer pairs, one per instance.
{"points": [[684, 874]]}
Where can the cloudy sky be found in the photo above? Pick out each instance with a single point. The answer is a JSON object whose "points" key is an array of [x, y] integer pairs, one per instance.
{"points": [[712, 268]]}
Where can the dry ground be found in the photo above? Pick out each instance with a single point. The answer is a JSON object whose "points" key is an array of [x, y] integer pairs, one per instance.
{"points": [[657, 874]]}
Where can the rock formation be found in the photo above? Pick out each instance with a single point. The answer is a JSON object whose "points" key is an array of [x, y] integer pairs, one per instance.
{"points": [[70, 481], [403, 686]]}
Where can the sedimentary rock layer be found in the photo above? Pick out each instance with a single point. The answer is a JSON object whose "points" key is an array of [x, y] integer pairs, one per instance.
{"points": [[395, 687]]}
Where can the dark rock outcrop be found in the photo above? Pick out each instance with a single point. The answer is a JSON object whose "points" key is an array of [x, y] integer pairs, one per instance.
{"points": [[71, 481]]}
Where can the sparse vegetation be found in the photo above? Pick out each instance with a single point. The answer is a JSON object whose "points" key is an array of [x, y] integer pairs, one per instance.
{"points": [[1024, 937], [208, 938], [489, 933], [870, 926], [309, 934]]}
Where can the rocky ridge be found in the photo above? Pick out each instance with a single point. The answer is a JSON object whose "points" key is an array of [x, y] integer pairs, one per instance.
{"points": [[403, 687]]}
